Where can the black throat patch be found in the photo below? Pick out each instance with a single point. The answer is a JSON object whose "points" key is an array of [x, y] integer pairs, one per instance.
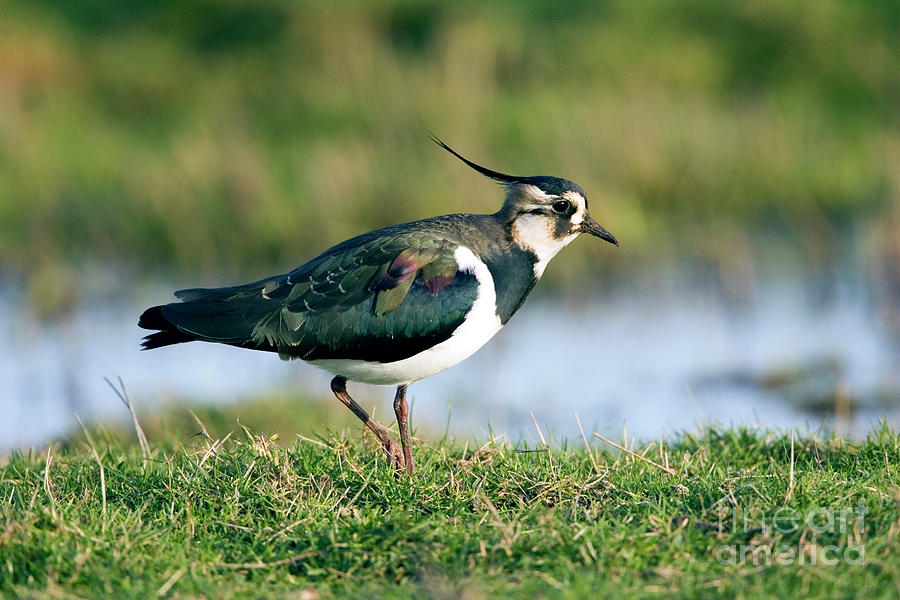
{"points": [[513, 273]]}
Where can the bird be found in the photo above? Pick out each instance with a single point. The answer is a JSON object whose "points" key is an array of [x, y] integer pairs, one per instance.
{"points": [[398, 304]]}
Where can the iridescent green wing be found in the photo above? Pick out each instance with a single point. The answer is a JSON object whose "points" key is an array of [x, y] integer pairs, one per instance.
{"points": [[385, 300], [383, 297]]}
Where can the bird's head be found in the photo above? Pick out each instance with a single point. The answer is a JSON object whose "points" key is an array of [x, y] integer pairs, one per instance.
{"points": [[544, 214]]}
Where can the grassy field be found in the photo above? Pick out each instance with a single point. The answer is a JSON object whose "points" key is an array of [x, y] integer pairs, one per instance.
{"points": [[728, 512], [215, 141]]}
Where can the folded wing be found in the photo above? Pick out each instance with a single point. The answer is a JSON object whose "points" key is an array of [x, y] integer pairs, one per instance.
{"points": [[381, 298]]}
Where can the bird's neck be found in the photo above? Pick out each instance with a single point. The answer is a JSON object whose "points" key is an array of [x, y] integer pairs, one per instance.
{"points": [[512, 266]]}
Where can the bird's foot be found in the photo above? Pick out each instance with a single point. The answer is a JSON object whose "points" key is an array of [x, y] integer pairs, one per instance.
{"points": [[392, 449], [394, 455]]}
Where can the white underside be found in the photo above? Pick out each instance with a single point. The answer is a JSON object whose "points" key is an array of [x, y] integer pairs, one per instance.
{"points": [[479, 326]]}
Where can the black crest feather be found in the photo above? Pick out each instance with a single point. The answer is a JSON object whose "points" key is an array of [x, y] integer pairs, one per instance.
{"points": [[495, 175], [553, 186]]}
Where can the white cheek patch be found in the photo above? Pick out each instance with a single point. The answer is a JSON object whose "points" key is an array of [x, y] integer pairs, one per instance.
{"points": [[535, 233]]}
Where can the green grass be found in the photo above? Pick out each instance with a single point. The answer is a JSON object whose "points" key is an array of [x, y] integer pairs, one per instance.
{"points": [[325, 517]]}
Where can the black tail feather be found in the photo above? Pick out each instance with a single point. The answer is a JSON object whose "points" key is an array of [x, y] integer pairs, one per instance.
{"points": [[165, 338], [168, 333], [152, 318]]}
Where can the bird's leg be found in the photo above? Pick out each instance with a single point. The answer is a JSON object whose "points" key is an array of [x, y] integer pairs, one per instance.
{"points": [[339, 387], [401, 409]]}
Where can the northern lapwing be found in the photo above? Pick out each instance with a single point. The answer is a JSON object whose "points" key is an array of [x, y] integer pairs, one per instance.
{"points": [[398, 304]]}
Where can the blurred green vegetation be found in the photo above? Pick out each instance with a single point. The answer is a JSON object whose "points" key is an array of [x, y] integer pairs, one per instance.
{"points": [[238, 136]]}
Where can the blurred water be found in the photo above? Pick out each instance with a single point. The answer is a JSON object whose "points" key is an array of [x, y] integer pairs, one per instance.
{"points": [[654, 362]]}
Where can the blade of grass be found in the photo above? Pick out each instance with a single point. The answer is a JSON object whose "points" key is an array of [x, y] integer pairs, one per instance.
{"points": [[102, 470], [634, 454], [122, 393]]}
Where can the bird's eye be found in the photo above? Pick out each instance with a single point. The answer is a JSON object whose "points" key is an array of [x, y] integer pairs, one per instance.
{"points": [[562, 207]]}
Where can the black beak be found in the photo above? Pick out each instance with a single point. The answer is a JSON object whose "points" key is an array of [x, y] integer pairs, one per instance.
{"points": [[594, 228]]}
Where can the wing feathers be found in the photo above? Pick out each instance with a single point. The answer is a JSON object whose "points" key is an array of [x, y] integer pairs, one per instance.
{"points": [[388, 300], [384, 299]]}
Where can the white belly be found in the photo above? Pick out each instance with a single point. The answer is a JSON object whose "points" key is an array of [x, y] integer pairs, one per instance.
{"points": [[480, 325]]}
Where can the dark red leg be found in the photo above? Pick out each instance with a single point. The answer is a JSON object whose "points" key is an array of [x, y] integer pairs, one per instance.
{"points": [[391, 448], [401, 409]]}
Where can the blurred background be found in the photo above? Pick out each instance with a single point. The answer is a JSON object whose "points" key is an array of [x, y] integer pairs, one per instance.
{"points": [[745, 154]]}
